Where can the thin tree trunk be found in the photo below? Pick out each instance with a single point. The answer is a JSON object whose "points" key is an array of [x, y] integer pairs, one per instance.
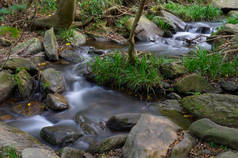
{"points": [[131, 50]]}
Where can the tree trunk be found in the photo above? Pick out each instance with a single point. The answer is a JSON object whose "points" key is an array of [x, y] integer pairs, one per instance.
{"points": [[131, 50]]}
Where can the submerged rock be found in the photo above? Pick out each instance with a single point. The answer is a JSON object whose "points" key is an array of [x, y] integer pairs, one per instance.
{"points": [[207, 130], [7, 85], [220, 108], [28, 48], [53, 80], [24, 83], [51, 45], [227, 154], [192, 83], [38, 153], [146, 30], [72, 56], [57, 102], [108, 144], [123, 122], [172, 70], [151, 137], [60, 135]]}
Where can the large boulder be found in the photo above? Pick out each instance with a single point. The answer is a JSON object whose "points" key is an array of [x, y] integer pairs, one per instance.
{"points": [[57, 102], [19, 140], [146, 30], [172, 70], [20, 63], [28, 48], [108, 144], [24, 83], [51, 45], [60, 135], [7, 85], [192, 83], [220, 108], [152, 137], [227, 154], [38, 153], [226, 4], [53, 80], [210, 131], [123, 122]]}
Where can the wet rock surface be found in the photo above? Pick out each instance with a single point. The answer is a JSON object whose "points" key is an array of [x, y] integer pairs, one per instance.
{"points": [[172, 70], [72, 56], [57, 102]]}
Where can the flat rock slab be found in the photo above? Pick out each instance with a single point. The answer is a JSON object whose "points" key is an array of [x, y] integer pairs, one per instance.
{"points": [[38, 153], [210, 131]]}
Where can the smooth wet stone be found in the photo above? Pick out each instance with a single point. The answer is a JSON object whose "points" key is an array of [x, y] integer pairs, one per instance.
{"points": [[231, 28], [51, 45], [230, 86], [151, 137], [14, 137], [220, 108], [89, 127], [123, 122], [108, 144], [60, 135], [38, 153], [227, 154], [57, 102], [172, 70], [7, 85], [24, 83], [168, 105], [53, 80], [146, 29], [173, 95], [27, 48], [72, 56], [32, 109], [69, 152], [209, 131], [20, 63], [192, 83], [78, 39]]}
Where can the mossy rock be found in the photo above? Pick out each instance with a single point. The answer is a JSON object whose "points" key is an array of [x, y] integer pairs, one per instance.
{"points": [[7, 85], [172, 70], [24, 83]]}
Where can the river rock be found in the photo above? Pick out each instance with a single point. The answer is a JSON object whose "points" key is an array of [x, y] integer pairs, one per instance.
{"points": [[233, 13], [89, 127], [231, 28], [108, 144], [220, 108], [230, 86], [38, 58], [19, 140], [33, 108], [28, 48], [24, 83], [225, 4], [51, 45], [4, 42], [168, 105], [38, 153], [227, 154], [57, 102], [172, 70], [123, 122], [7, 85], [20, 63], [210, 131], [53, 80], [145, 30], [174, 21], [71, 56], [60, 135], [192, 83], [78, 39], [151, 137], [173, 95], [69, 152]]}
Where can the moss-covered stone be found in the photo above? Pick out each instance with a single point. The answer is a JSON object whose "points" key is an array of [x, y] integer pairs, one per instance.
{"points": [[7, 84], [24, 83], [172, 70]]}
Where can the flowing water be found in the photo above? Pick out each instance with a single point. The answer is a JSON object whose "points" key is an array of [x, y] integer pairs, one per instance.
{"points": [[98, 103]]}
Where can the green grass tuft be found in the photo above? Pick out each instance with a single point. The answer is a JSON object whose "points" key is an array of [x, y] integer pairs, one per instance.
{"points": [[232, 20]]}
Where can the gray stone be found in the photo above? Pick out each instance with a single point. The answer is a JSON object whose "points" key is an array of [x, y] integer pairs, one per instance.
{"points": [[28, 48], [24, 83], [51, 45], [72, 56], [151, 137], [146, 30], [78, 39], [227, 154], [207, 130], [175, 22], [168, 105], [233, 13], [229, 4], [230, 86], [38, 58], [220, 108], [7, 85], [231, 28], [108, 144], [69, 152], [57, 102], [172, 70], [60, 135], [38, 153], [53, 80], [173, 96], [192, 83], [123, 122], [4, 42]]}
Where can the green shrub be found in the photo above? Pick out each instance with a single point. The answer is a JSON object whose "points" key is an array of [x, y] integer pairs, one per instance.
{"points": [[195, 12], [143, 77], [11, 10], [232, 20], [48, 5], [66, 34], [12, 30], [212, 65], [159, 22], [8, 153], [122, 21]]}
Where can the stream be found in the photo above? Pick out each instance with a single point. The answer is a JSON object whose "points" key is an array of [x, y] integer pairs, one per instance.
{"points": [[98, 103]]}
